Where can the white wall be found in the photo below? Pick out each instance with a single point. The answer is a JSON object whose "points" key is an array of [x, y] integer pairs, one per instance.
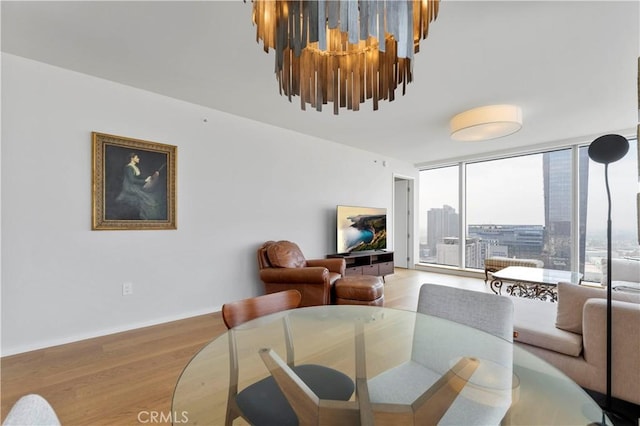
{"points": [[240, 183]]}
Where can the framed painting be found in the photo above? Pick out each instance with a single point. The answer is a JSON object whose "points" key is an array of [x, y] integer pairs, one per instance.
{"points": [[134, 184]]}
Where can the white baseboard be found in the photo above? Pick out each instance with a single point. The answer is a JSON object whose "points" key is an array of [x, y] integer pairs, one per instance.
{"points": [[100, 333]]}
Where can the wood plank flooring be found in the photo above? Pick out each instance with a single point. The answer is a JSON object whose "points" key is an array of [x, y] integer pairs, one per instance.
{"points": [[121, 378]]}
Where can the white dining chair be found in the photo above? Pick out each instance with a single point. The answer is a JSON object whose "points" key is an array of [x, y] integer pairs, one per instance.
{"points": [[435, 348]]}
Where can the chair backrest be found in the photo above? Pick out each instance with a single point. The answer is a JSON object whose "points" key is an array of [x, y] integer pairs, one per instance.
{"points": [[280, 254], [236, 313], [487, 312]]}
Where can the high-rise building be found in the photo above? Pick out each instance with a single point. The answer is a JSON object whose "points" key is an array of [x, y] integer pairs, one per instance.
{"points": [[449, 252], [551, 243], [441, 223], [558, 185], [524, 241]]}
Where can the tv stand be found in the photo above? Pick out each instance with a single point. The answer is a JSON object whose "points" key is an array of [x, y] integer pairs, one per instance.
{"points": [[379, 263]]}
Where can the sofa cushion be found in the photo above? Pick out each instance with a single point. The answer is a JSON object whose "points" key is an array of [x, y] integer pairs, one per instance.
{"points": [[534, 324], [285, 254], [571, 300]]}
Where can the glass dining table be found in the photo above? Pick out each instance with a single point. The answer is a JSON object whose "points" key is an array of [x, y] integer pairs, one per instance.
{"points": [[372, 345]]}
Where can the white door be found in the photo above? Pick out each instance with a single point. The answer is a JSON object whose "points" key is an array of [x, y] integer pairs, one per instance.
{"points": [[401, 222]]}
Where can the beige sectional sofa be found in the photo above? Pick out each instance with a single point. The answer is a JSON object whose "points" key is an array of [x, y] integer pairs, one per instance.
{"points": [[571, 335]]}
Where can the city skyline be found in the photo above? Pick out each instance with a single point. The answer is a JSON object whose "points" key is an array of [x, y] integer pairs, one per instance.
{"points": [[523, 207], [521, 200]]}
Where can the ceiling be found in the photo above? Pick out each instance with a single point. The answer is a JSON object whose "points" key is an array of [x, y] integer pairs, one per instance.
{"points": [[571, 66]]}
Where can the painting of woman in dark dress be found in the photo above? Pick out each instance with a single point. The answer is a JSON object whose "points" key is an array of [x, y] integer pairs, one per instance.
{"points": [[137, 196], [136, 183]]}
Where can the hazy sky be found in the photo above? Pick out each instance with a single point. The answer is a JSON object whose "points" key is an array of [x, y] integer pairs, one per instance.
{"points": [[623, 181], [511, 191]]}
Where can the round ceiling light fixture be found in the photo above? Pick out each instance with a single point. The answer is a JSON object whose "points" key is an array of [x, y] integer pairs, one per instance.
{"points": [[487, 122]]}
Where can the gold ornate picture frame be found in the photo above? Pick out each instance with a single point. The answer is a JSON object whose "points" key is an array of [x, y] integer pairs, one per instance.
{"points": [[134, 184]]}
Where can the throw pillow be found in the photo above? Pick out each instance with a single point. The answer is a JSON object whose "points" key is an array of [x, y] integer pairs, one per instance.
{"points": [[571, 300], [285, 254]]}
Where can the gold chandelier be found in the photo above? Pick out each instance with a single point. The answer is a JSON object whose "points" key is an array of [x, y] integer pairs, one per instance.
{"points": [[343, 51]]}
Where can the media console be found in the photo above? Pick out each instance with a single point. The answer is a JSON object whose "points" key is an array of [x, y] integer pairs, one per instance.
{"points": [[378, 263]]}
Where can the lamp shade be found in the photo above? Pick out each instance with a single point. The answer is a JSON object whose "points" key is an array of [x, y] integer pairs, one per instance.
{"points": [[608, 148], [487, 122]]}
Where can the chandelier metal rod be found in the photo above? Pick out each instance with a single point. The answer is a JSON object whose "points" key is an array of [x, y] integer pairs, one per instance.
{"points": [[343, 51]]}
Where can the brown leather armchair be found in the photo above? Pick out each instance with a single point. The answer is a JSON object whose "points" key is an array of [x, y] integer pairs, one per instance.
{"points": [[282, 266]]}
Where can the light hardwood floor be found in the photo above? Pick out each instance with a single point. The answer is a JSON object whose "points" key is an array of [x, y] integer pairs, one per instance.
{"points": [[110, 380]]}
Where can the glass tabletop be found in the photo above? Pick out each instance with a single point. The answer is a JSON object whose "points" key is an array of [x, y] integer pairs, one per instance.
{"points": [[537, 275], [325, 335]]}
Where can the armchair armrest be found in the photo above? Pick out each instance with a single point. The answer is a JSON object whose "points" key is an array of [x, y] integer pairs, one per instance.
{"points": [[309, 275], [335, 264]]}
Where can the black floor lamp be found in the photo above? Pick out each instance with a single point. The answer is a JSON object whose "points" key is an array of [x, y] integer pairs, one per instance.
{"points": [[608, 149]]}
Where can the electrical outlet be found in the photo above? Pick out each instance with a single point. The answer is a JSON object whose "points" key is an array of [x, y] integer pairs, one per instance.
{"points": [[127, 288]]}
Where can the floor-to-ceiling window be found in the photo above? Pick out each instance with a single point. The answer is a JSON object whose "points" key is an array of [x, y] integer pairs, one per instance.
{"points": [[623, 183], [439, 220], [505, 208], [548, 205]]}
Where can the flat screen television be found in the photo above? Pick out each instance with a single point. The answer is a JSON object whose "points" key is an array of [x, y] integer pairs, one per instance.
{"points": [[361, 229]]}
